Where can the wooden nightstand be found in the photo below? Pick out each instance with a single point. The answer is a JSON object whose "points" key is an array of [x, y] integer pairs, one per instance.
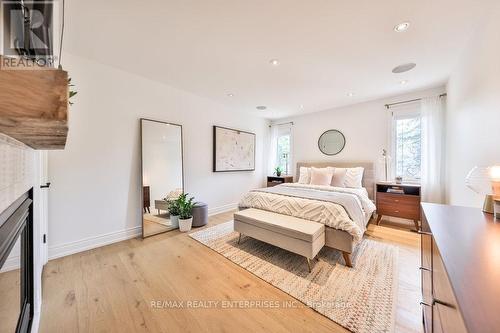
{"points": [[405, 203], [273, 181]]}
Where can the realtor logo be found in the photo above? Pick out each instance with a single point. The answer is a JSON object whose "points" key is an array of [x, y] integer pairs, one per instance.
{"points": [[27, 33]]}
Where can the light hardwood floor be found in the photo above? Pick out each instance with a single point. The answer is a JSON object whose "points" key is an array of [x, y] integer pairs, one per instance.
{"points": [[110, 289]]}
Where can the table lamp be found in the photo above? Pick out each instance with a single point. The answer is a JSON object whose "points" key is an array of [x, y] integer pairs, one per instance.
{"points": [[485, 181]]}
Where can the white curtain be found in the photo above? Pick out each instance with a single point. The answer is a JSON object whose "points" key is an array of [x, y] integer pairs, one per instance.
{"points": [[273, 150], [433, 136]]}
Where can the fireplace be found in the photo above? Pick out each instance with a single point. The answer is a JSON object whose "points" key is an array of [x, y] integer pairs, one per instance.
{"points": [[16, 286]]}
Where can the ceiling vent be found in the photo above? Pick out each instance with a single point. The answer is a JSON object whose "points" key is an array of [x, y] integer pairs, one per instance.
{"points": [[404, 68]]}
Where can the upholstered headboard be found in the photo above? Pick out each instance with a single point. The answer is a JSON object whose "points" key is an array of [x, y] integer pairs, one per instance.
{"points": [[368, 176]]}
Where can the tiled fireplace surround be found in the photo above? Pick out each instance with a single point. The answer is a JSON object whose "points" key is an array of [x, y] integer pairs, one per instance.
{"points": [[17, 163]]}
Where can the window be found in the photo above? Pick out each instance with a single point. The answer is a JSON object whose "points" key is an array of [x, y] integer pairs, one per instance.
{"points": [[283, 152], [406, 133]]}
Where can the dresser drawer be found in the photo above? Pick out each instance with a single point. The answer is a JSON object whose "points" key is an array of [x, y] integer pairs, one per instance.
{"points": [[426, 246], [427, 318], [446, 312]]}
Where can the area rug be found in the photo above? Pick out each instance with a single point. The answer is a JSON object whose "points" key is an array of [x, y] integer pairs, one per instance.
{"points": [[361, 299]]}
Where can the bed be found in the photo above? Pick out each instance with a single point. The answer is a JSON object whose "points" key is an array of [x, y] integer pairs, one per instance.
{"points": [[344, 211]]}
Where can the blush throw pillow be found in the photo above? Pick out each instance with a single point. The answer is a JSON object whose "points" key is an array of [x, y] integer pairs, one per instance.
{"points": [[353, 177], [305, 175], [338, 179], [321, 176]]}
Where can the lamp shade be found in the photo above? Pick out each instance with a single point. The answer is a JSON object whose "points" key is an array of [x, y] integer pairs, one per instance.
{"points": [[483, 180]]}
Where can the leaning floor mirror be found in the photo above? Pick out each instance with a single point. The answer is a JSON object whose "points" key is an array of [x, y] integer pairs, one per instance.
{"points": [[162, 174]]}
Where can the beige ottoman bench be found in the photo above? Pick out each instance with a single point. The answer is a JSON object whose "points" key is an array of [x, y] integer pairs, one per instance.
{"points": [[293, 234]]}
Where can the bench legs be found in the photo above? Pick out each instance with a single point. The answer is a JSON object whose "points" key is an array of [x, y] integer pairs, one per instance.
{"points": [[308, 260], [347, 259]]}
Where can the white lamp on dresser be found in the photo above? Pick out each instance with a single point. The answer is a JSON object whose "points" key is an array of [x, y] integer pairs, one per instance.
{"points": [[485, 181]]}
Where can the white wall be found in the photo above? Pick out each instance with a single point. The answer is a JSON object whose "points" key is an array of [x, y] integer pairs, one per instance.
{"points": [[365, 127], [473, 117], [95, 193]]}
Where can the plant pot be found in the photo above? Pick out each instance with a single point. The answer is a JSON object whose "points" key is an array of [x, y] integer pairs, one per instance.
{"points": [[278, 174], [174, 221], [185, 224]]}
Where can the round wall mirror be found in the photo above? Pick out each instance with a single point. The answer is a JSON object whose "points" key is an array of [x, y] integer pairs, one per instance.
{"points": [[331, 142]]}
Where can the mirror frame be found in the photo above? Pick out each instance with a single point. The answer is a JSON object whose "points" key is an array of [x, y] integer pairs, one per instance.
{"points": [[331, 130], [141, 121]]}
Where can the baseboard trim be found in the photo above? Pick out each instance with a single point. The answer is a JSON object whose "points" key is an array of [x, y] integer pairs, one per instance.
{"points": [[222, 209], [89, 243], [35, 323], [93, 242]]}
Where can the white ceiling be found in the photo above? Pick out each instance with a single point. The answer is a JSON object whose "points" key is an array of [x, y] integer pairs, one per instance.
{"points": [[326, 48]]}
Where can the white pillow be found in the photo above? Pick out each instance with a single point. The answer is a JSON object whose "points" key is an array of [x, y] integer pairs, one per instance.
{"points": [[338, 179], [305, 175], [353, 177], [322, 176]]}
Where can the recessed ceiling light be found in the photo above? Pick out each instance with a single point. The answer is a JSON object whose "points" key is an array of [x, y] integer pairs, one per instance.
{"points": [[230, 95], [261, 107], [404, 68], [274, 62], [403, 82], [350, 94], [401, 27], [301, 106]]}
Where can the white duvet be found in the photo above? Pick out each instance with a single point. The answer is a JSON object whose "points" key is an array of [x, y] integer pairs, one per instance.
{"points": [[345, 209], [361, 193]]}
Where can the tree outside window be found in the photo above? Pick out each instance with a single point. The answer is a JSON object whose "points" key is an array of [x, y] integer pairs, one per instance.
{"points": [[283, 153], [408, 157]]}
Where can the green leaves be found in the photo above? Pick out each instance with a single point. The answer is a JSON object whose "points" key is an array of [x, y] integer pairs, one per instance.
{"points": [[173, 207], [71, 92], [185, 206]]}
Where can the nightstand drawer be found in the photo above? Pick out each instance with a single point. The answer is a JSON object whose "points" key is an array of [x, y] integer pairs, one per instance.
{"points": [[389, 198], [273, 181], [406, 211]]}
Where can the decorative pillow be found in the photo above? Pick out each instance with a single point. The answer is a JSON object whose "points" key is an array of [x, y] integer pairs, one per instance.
{"points": [[321, 176], [338, 179], [173, 195], [353, 177], [305, 175]]}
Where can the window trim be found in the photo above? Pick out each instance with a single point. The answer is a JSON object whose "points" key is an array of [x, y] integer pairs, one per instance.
{"points": [[403, 112]]}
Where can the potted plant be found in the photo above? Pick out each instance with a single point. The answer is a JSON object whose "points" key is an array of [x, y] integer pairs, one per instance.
{"points": [[278, 171], [173, 209], [185, 212]]}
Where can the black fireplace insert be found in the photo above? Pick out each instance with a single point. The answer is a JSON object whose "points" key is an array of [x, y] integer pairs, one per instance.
{"points": [[16, 226]]}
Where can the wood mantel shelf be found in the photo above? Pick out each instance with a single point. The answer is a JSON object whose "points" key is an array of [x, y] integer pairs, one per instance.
{"points": [[34, 105]]}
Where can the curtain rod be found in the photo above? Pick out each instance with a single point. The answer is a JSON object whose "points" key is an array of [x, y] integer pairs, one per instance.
{"points": [[409, 101], [290, 122]]}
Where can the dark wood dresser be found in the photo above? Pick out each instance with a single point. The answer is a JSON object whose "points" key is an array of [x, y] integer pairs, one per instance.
{"points": [[146, 199], [274, 180], [460, 269], [404, 202]]}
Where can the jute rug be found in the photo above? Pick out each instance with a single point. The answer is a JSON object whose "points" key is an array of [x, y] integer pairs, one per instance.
{"points": [[361, 299]]}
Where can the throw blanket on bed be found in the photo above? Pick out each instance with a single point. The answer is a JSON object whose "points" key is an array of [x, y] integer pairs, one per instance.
{"points": [[336, 209]]}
